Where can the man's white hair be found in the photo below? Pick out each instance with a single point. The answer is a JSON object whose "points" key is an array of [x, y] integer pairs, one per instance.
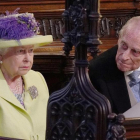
{"points": [[131, 24]]}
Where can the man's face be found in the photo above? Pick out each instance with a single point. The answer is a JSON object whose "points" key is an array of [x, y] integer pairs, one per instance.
{"points": [[128, 54]]}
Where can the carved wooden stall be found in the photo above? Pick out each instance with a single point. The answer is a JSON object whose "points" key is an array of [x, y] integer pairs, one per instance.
{"points": [[78, 111], [52, 62], [69, 116]]}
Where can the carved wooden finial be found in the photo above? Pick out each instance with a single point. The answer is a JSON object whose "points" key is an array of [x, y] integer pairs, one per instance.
{"points": [[116, 130]]}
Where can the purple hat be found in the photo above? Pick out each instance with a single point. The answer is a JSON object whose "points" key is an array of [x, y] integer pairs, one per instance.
{"points": [[20, 30]]}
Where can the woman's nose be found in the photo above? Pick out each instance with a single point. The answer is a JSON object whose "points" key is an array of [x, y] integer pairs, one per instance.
{"points": [[27, 56]]}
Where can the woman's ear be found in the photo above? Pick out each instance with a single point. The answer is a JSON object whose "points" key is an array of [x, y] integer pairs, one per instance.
{"points": [[0, 57]]}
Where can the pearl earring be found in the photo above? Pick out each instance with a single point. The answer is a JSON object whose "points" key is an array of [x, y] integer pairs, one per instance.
{"points": [[0, 62]]}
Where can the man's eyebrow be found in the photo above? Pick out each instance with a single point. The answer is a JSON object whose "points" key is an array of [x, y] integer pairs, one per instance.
{"points": [[123, 42], [137, 50]]}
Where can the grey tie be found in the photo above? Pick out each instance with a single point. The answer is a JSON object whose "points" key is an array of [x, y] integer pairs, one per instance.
{"points": [[135, 84]]}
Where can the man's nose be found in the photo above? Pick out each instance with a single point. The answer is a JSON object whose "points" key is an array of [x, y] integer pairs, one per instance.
{"points": [[126, 55]]}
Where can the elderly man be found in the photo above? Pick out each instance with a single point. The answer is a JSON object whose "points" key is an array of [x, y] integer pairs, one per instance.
{"points": [[112, 73]]}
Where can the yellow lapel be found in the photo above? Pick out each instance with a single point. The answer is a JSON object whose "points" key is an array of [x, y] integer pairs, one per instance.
{"points": [[28, 82], [6, 93]]}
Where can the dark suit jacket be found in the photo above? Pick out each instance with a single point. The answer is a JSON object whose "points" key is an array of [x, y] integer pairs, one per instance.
{"points": [[109, 80]]}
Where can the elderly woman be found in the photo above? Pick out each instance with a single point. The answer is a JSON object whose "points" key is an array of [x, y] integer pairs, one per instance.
{"points": [[23, 92]]}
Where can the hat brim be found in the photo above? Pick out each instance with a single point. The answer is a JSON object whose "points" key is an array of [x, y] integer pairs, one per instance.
{"points": [[38, 41]]}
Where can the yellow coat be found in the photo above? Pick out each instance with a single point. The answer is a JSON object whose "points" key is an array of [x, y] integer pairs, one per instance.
{"points": [[28, 123]]}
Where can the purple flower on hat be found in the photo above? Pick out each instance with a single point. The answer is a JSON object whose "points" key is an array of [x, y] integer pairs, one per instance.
{"points": [[18, 26]]}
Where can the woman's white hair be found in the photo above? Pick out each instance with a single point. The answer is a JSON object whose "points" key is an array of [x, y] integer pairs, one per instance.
{"points": [[3, 51]]}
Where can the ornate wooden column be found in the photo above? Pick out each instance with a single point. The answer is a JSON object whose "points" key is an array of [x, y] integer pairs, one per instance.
{"points": [[78, 111]]}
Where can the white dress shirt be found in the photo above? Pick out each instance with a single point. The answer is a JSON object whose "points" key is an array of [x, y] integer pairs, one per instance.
{"points": [[132, 98]]}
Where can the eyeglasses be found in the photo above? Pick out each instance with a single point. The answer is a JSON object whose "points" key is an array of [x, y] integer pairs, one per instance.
{"points": [[22, 51]]}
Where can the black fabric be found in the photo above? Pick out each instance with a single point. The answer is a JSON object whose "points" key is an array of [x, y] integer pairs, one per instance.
{"points": [[109, 80]]}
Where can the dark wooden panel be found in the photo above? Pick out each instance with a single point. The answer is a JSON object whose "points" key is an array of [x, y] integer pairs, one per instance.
{"points": [[57, 69], [132, 128], [30, 5]]}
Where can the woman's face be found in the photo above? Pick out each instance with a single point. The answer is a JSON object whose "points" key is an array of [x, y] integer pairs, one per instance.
{"points": [[17, 61]]}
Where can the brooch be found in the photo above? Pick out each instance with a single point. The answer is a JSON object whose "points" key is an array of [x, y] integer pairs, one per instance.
{"points": [[33, 92]]}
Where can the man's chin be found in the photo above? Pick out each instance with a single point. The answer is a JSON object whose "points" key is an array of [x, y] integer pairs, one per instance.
{"points": [[124, 69]]}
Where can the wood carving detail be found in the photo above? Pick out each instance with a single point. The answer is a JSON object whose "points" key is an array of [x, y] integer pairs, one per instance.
{"points": [[116, 130], [119, 22], [114, 23], [105, 25], [78, 111], [73, 109], [54, 27]]}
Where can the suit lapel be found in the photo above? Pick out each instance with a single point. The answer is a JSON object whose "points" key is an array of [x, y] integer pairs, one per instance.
{"points": [[6, 93], [118, 89]]}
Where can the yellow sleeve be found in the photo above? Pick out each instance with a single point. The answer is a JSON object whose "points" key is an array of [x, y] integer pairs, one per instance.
{"points": [[43, 79]]}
